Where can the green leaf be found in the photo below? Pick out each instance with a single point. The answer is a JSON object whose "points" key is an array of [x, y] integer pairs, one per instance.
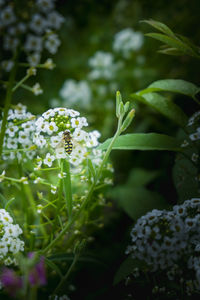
{"points": [[137, 201], [9, 202], [170, 51], [173, 85], [141, 177], [161, 27], [127, 268], [144, 141], [164, 106], [172, 42], [53, 266], [184, 177], [91, 168]]}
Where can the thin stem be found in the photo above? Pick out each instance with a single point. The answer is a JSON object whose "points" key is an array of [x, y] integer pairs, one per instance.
{"points": [[21, 82], [65, 168], [8, 102], [63, 280]]}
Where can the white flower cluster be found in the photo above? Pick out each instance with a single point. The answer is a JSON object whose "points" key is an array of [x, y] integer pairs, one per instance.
{"points": [[9, 238], [127, 41], [35, 24], [19, 134], [195, 122], [103, 66], [49, 132], [74, 93], [164, 238]]}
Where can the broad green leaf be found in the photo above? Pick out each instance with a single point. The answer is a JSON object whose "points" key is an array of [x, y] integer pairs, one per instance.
{"points": [[174, 85], [141, 177], [144, 141], [127, 268], [172, 42], [137, 201], [164, 106], [184, 177], [161, 27]]}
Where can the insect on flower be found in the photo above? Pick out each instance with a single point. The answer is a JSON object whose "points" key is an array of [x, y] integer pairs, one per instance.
{"points": [[68, 142]]}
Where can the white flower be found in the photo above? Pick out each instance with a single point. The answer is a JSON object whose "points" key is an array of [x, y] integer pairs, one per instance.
{"points": [[51, 127], [7, 16], [33, 43], [7, 65], [24, 138], [2, 175], [49, 159], [45, 5], [76, 92], [53, 189], [12, 143], [60, 153], [62, 175], [55, 20], [79, 122], [80, 135], [127, 41], [39, 140], [24, 180], [11, 130], [49, 64], [195, 136], [103, 66], [52, 43], [55, 140], [38, 24], [34, 59], [37, 180], [10, 43], [37, 89]]}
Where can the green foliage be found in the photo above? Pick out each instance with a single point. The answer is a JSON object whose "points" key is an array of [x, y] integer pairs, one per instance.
{"points": [[126, 268], [134, 198], [144, 141], [164, 106], [174, 44]]}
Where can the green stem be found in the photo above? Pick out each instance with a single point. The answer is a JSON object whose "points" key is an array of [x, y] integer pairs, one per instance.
{"points": [[7, 102], [65, 277], [75, 216], [65, 168], [33, 293], [20, 82]]}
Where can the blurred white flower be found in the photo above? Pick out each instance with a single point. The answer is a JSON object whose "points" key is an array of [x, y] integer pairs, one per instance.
{"points": [[127, 40], [74, 93]]}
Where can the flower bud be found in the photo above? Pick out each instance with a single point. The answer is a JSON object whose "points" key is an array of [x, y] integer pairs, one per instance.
{"points": [[118, 101], [128, 120]]}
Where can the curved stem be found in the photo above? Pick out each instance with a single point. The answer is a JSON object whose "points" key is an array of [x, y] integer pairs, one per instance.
{"points": [[63, 280]]}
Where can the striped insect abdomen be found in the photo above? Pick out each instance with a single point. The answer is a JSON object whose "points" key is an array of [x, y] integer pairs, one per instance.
{"points": [[68, 146]]}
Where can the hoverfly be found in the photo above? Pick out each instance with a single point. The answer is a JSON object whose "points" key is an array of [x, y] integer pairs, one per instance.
{"points": [[68, 142]]}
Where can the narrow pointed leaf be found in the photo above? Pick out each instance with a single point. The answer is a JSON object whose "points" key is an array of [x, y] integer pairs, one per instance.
{"points": [[172, 42], [161, 27]]}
